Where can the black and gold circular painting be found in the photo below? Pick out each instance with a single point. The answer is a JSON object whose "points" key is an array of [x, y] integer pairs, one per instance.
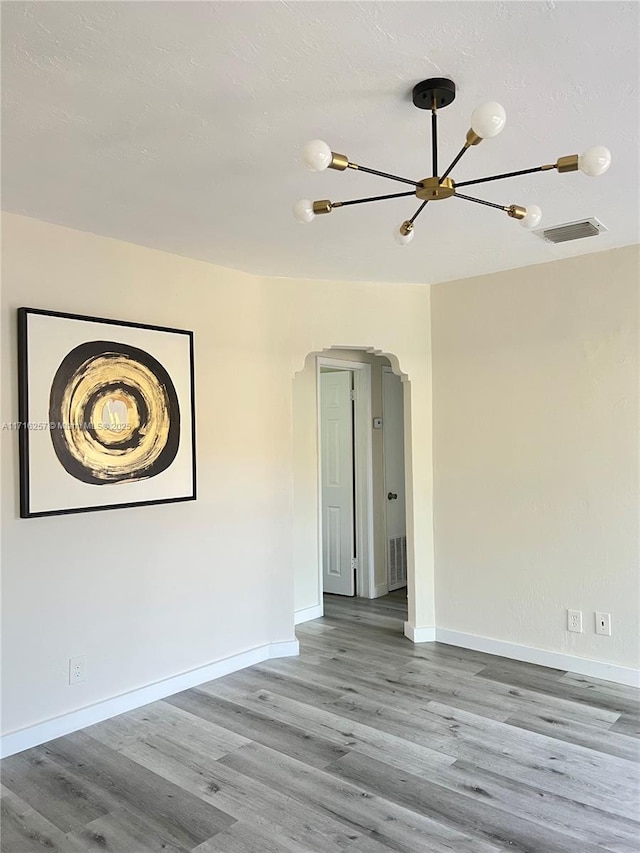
{"points": [[116, 414]]}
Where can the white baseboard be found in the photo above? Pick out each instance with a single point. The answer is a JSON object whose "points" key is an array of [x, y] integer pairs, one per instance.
{"points": [[529, 654], [308, 613], [281, 649], [380, 590], [419, 635], [72, 722]]}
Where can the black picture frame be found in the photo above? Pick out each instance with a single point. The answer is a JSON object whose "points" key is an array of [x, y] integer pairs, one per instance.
{"points": [[43, 444]]}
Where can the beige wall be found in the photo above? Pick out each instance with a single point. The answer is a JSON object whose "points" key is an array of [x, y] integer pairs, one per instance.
{"points": [[192, 583], [536, 416], [305, 484], [535, 389]]}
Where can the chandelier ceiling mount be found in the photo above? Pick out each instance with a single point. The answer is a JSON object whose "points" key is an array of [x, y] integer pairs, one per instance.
{"points": [[436, 90]]}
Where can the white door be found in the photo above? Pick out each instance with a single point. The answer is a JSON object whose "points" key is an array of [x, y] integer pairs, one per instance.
{"points": [[393, 445], [336, 432]]}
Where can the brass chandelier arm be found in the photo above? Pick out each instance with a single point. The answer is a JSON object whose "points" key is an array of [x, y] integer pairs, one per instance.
{"points": [[406, 228], [480, 201], [383, 174], [418, 212], [455, 161], [515, 211], [563, 164], [506, 175], [371, 198]]}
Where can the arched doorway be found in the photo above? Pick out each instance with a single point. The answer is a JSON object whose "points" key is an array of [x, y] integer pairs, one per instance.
{"points": [[366, 364]]}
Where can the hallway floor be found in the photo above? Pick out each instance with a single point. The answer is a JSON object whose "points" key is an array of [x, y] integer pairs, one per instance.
{"points": [[364, 744]]}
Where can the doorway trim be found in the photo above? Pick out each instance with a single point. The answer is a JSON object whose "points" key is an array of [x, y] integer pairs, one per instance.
{"points": [[363, 467], [391, 371]]}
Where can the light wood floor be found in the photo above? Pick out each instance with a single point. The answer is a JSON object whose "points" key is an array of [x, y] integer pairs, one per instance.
{"points": [[364, 744]]}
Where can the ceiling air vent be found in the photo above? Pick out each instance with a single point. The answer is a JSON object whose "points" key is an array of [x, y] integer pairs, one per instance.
{"points": [[571, 231]]}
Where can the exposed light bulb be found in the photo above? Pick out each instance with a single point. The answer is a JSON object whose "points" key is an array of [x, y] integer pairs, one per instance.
{"points": [[403, 234], [488, 119], [317, 155], [303, 210], [532, 217], [595, 161]]}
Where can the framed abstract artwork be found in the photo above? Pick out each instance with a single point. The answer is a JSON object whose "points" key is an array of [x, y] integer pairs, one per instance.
{"points": [[106, 414]]}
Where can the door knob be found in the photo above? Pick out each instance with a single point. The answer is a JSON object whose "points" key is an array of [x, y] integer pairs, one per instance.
{"points": [[392, 496]]}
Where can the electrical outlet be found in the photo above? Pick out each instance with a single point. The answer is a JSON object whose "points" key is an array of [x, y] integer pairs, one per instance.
{"points": [[603, 623], [574, 621], [77, 669]]}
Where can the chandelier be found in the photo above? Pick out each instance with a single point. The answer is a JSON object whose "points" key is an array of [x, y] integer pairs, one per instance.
{"points": [[487, 121]]}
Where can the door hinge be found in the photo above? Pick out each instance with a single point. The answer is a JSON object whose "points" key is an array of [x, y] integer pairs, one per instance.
{"points": [[354, 563], [352, 394]]}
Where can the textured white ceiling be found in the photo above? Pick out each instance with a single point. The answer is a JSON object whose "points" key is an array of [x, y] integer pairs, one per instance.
{"points": [[179, 125]]}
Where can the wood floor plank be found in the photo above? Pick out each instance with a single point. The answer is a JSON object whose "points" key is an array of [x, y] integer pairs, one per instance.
{"points": [[440, 729], [124, 831], [316, 626], [161, 722], [478, 818], [123, 783], [352, 676], [617, 774], [627, 725], [494, 703], [609, 688], [500, 700], [560, 813], [330, 675], [25, 830], [249, 838], [57, 793], [382, 650], [354, 736], [369, 845], [256, 678], [417, 681], [384, 820], [389, 650], [552, 725], [285, 737], [511, 672], [395, 602], [378, 622], [591, 779], [245, 799]]}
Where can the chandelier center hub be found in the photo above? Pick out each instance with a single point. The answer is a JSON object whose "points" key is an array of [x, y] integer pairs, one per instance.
{"points": [[433, 190], [436, 92]]}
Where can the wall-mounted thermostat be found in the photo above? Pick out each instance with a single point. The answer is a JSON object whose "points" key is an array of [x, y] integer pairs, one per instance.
{"points": [[377, 423]]}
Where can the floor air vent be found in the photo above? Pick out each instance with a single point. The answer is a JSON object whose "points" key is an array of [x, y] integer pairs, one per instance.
{"points": [[571, 231], [397, 562]]}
